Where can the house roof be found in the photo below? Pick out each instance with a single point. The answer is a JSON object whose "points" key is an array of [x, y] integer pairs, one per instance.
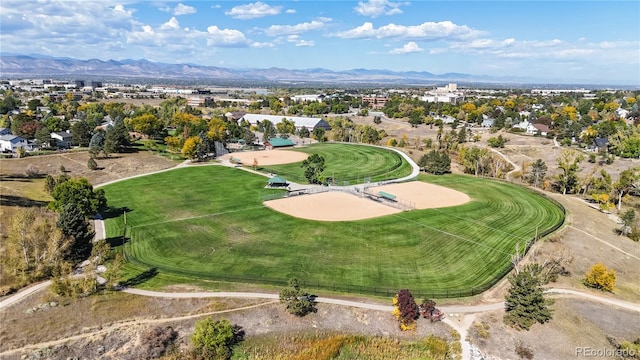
{"points": [[12, 138], [277, 180], [601, 142], [63, 134], [541, 127], [308, 122], [279, 142]]}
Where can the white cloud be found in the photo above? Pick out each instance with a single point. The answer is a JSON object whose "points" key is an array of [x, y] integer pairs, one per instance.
{"points": [[290, 11], [171, 24], [276, 30], [219, 36], [182, 9], [375, 8], [305, 43], [261, 45], [445, 30], [297, 41], [408, 48], [253, 11]]}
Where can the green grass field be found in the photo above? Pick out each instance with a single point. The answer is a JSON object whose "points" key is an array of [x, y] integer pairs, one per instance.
{"points": [[209, 223], [347, 162]]}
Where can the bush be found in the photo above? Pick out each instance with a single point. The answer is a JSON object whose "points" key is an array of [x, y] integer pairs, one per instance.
{"points": [[75, 287], [156, 341], [482, 330], [299, 302], [497, 141], [406, 310], [91, 164], [523, 350], [215, 339], [32, 171], [601, 278]]}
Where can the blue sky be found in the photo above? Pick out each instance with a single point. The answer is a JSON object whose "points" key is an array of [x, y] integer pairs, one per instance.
{"points": [[557, 41]]}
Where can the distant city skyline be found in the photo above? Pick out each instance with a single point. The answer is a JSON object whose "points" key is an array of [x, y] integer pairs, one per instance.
{"points": [[554, 41]]}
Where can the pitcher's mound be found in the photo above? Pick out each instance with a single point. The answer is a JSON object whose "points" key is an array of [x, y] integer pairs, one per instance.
{"points": [[267, 157]]}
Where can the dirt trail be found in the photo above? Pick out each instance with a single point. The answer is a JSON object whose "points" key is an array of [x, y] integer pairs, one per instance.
{"points": [[126, 324]]}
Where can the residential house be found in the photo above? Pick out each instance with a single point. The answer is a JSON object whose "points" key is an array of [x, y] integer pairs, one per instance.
{"points": [[487, 122], [600, 144], [542, 129], [527, 127], [61, 140], [622, 113], [11, 143]]}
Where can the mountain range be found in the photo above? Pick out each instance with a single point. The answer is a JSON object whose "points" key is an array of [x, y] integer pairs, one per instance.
{"points": [[15, 65]]}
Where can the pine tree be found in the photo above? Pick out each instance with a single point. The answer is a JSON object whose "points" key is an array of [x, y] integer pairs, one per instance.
{"points": [[74, 225], [525, 303]]}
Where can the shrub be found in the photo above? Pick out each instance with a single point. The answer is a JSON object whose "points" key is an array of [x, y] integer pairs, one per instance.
{"points": [[62, 169], [32, 171], [406, 310], [523, 350], [75, 287], [497, 141], [215, 339], [156, 341], [299, 302], [91, 164], [601, 278], [482, 330]]}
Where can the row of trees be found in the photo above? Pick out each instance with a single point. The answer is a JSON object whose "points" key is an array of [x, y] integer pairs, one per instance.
{"points": [[40, 243]]}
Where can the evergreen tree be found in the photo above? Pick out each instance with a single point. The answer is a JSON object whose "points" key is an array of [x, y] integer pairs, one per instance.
{"points": [[525, 303], [96, 143], [435, 162], [298, 302], [117, 138], [81, 132], [74, 225], [462, 135]]}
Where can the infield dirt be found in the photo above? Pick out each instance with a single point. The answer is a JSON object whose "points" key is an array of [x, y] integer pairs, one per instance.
{"points": [[341, 206], [267, 157]]}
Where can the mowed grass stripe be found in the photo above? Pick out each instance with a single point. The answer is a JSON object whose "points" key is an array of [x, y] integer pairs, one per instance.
{"points": [[389, 252], [348, 162]]}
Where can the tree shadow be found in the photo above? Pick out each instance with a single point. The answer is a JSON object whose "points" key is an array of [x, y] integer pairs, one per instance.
{"points": [[114, 212], [20, 201], [117, 241], [21, 177], [140, 278]]}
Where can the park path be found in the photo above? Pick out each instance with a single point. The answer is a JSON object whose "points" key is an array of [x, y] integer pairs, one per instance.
{"points": [[464, 313]]}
